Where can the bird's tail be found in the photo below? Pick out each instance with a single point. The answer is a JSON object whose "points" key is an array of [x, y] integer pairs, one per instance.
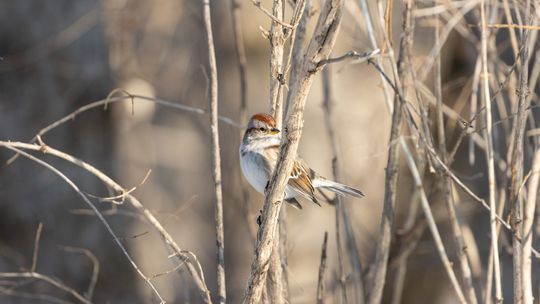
{"points": [[337, 188]]}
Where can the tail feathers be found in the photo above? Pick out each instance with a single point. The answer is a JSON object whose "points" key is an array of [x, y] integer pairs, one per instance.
{"points": [[337, 188]]}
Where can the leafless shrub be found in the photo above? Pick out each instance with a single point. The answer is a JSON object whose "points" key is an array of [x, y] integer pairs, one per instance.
{"points": [[461, 147]]}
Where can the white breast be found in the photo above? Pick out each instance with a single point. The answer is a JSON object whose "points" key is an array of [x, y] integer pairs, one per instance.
{"points": [[252, 164], [253, 168]]}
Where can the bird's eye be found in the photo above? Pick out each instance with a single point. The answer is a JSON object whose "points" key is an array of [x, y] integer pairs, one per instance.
{"points": [[262, 129]]}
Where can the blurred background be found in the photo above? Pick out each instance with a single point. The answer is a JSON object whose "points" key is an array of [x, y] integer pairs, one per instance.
{"points": [[59, 55]]}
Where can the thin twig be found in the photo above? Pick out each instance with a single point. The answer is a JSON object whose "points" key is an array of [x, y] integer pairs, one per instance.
{"points": [[96, 211], [277, 49], [240, 56], [322, 269], [410, 227], [89, 294], [43, 298], [528, 219], [433, 226], [392, 168], [342, 218], [446, 183], [357, 57], [447, 30], [47, 279], [216, 158], [516, 165], [489, 156], [510, 26], [258, 4], [193, 266], [128, 97], [36, 247], [296, 49]]}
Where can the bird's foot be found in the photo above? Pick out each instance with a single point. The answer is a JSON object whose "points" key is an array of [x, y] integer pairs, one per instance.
{"points": [[259, 218], [266, 187]]}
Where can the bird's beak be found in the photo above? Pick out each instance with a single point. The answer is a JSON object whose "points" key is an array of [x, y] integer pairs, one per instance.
{"points": [[274, 131]]}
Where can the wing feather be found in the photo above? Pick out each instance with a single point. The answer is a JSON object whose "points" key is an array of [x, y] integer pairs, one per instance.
{"points": [[301, 180]]}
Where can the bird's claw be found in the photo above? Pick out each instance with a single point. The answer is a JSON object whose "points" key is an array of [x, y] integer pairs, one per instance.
{"points": [[266, 187], [259, 218]]}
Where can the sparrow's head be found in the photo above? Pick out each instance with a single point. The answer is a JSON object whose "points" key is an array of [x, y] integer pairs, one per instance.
{"points": [[262, 127]]}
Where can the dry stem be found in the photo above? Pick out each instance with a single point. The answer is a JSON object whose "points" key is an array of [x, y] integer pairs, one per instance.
{"points": [[96, 211], [489, 157], [320, 47], [192, 264], [322, 269], [216, 159]]}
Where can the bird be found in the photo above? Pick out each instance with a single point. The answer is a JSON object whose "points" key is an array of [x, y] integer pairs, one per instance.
{"points": [[259, 152]]}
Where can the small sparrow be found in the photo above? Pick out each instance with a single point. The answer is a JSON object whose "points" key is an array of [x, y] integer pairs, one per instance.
{"points": [[259, 153]]}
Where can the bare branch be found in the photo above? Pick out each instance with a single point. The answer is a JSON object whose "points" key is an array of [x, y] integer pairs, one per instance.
{"points": [[258, 4], [322, 269], [99, 215], [240, 57], [392, 171], [528, 219], [47, 279], [129, 97], [95, 267], [277, 47], [446, 183], [342, 217], [36, 247], [320, 47], [357, 57], [193, 266], [516, 165], [433, 226], [216, 159]]}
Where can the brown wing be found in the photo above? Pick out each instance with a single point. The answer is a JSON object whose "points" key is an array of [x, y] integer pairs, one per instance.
{"points": [[301, 180]]}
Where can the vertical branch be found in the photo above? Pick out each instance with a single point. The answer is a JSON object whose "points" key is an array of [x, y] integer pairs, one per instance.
{"points": [[322, 269], [36, 247], [516, 165], [277, 43], [411, 227], [284, 263], [242, 70], [461, 249], [240, 57], [391, 175], [296, 51], [390, 189], [321, 45], [488, 134], [327, 93], [216, 159], [275, 272], [342, 215], [528, 219], [432, 225]]}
